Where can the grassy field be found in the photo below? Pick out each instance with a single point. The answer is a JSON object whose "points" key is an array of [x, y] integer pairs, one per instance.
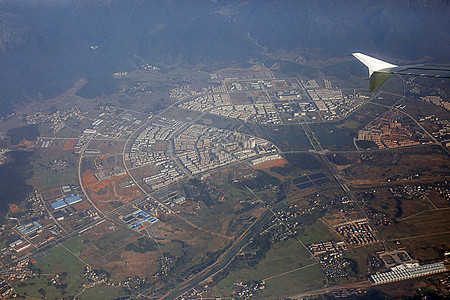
{"points": [[3, 243], [75, 244], [426, 235], [115, 239], [426, 223], [59, 260], [317, 232], [44, 179], [267, 194], [349, 124], [102, 292], [427, 247], [239, 193], [281, 258], [360, 256], [34, 285], [309, 278]]}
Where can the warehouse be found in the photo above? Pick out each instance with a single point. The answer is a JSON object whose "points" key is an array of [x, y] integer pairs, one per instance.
{"points": [[405, 271], [58, 204]]}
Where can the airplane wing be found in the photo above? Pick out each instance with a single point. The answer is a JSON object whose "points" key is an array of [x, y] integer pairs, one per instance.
{"points": [[428, 70], [380, 71]]}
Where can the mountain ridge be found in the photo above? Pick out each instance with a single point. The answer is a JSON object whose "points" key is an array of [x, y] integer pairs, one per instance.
{"points": [[45, 45]]}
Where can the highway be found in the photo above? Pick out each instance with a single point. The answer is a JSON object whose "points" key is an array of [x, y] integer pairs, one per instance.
{"points": [[242, 241], [224, 260]]}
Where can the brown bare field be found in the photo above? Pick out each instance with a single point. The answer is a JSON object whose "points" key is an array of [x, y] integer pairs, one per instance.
{"points": [[196, 242], [52, 194], [81, 206], [426, 235], [270, 164], [179, 113], [88, 178], [377, 172], [400, 289], [167, 231], [426, 248], [237, 72], [385, 202], [334, 219], [425, 223], [340, 168], [414, 206], [144, 171], [132, 264], [106, 250], [107, 194], [111, 147], [26, 143], [121, 263], [69, 143], [160, 146], [437, 199], [337, 217], [240, 98], [225, 227]]}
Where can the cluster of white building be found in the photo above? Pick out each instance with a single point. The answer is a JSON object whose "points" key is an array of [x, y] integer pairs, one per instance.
{"points": [[143, 150], [167, 174], [266, 159], [259, 113], [325, 94], [238, 86], [184, 92], [405, 271], [200, 148], [116, 128], [206, 102], [436, 100], [310, 84], [218, 89], [332, 104]]}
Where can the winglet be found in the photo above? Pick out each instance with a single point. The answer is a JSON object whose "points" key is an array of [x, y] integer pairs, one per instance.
{"points": [[374, 65]]}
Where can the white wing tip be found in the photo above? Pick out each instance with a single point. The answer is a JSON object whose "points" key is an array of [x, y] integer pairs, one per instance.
{"points": [[374, 64]]}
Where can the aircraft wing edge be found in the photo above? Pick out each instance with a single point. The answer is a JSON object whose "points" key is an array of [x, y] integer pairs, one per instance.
{"points": [[374, 64]]}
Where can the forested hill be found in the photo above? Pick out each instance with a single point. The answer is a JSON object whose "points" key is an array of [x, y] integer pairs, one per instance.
{"points": [[409, 30], [46, 45]]}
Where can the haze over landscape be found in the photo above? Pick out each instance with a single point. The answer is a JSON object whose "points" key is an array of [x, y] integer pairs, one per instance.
{"points": [[45, 45], [194, 149]]}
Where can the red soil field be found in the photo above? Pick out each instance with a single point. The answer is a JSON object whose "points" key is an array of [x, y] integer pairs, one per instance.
{"points": [[88, 178], [69, 143], [107, 191], [270, 164]]}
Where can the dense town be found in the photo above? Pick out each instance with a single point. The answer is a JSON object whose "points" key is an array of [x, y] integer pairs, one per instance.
{"points": [[134, 169]]}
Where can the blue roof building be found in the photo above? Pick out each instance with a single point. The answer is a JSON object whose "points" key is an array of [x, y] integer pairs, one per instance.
{"points": [[73, 199], [58, 204]]}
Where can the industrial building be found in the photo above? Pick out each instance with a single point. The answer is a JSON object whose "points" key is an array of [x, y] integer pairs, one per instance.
{"points": [[405, 271], [70, 200], [58, 204], [137, 219], [73, 199]]}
